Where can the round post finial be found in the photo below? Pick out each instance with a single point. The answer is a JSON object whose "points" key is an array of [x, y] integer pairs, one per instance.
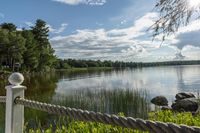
{"points": [[16, 79]]}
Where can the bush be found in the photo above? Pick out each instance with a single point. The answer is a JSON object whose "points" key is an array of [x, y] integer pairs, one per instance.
{"points": [[174, 117], [83, 127], [91, 127]]}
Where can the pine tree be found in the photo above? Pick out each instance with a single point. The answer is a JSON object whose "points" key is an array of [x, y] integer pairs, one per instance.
{"points": [[31, 54], [46, 57]]}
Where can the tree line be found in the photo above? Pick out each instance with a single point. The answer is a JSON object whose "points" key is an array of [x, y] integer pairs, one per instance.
{"points": [[74, 63], [28, 49]]}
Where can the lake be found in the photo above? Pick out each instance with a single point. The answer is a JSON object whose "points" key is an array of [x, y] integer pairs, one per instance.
{"points": [[108, 91]]}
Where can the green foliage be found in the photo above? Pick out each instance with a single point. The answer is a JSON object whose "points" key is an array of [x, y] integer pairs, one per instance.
{"points": [[29, 49], [45, 54], [31, 54], [8, 26], [91, 127], [84, 127], [11, 48], [174, 117]]}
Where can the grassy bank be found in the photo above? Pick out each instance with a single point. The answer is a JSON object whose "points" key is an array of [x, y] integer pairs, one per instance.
{"points": [[91, 127]]}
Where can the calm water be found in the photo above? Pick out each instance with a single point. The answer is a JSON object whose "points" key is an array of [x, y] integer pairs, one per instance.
{"points": [[108, 91]]}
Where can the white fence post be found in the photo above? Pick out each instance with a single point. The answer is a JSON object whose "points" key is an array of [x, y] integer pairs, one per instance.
{"points": [[14, 113]]}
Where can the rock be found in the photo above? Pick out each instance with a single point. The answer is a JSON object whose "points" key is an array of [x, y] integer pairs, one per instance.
{"points": [[166, 108], [160, 101], [184, 95], [188, 105]]}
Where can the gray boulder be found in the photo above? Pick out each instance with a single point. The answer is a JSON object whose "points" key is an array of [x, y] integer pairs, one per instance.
{"points": [[184, 95], [188, 105], [160, 101]]}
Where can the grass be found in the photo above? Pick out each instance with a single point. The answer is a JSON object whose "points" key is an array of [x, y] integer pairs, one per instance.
{"points": [[91, 127]]}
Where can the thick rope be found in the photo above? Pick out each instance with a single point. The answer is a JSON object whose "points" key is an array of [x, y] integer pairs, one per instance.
{"points": [[2, 99], [127, 122]]}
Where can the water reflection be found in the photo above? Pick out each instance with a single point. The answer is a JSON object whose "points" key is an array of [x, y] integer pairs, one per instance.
{"points": [[188, 78], [109, 91]]}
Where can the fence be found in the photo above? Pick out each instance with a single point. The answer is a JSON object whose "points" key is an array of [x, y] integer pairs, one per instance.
{"points": [[15, 103]]}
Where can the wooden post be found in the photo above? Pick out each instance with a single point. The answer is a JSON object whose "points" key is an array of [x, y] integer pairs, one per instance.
{"points": [[14, 113]]}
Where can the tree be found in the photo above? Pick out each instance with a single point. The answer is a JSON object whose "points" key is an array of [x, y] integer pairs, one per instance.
{"points": [[31, 54], [173, 14], [28, 48], [40, 32], [11, 47], [16, 48], [46, 52], [8, 26], [4, 41]]}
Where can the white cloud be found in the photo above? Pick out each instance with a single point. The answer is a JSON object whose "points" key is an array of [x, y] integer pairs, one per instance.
{"points": [[184, 37], [139, 28], [191, 52], [92, 44], [115, 44], [187, 35], [59, 30], [87, 2], [193, 26], [130, 44]]}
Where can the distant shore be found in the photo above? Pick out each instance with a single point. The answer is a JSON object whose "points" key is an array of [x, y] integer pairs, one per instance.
{"points": [[85, 69], [106, 65]]}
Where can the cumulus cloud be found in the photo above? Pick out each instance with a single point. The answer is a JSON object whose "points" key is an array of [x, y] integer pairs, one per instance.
{"points": [[87, 2], [188, 35], [191, 52], [115, 44], [188, 38], [139, 28], [185, 41]]}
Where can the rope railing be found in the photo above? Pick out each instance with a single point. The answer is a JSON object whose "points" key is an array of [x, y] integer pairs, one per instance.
{"points": [[2, 99], [14, 116], [90, 116]]}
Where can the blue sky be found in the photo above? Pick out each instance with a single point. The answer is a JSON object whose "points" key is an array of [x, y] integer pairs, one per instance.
{"points": [[103, 29]]}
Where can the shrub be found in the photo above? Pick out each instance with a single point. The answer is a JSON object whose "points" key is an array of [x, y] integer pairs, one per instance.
{"points": [[92, 127]]}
